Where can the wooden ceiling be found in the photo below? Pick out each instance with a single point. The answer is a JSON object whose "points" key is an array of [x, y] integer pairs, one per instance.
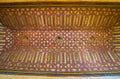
{"points": [[60, 17]]}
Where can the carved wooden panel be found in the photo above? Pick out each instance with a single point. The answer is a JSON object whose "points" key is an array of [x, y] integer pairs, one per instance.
{"points": [[60, 18]]}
